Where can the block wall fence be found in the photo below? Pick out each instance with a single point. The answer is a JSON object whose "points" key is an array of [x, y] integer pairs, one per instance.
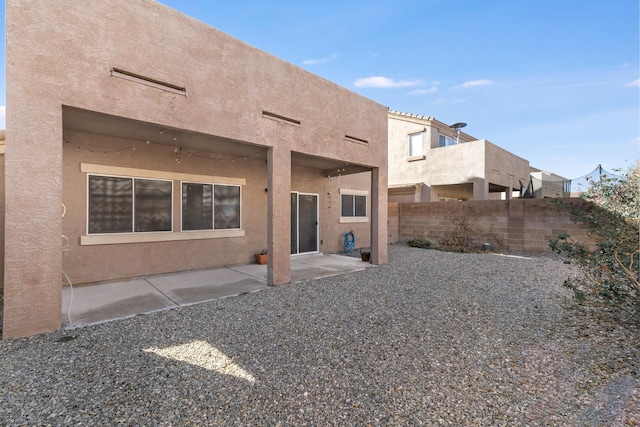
{"points": [[524, 225]]}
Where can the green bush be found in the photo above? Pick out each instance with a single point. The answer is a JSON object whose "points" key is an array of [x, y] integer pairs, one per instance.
{"points": [[417, 243], [610, 270]]}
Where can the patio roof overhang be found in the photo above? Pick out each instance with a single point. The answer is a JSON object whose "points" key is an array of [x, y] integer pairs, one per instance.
{"points": [[93, 122]]}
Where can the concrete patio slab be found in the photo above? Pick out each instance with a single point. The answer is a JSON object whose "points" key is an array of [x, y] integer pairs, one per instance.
{"points": [[116, 300], [205, 285], [99, 303]]}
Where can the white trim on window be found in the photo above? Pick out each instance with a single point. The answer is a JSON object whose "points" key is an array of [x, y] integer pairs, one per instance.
{"points": [[176, 178], [415, 144], [133, 205], [213, 208], [112, 239], [148, 173], [355, 193]]}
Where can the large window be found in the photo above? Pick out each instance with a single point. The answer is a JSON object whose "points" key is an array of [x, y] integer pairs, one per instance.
{"points": [[125, 205], [415, 144], [210, 207], [353, 205], [444, 141]]}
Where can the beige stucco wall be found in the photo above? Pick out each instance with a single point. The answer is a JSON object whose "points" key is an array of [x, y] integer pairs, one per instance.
{"points": [[505, 168], [456, 164], [546, 184], [62, 53]]}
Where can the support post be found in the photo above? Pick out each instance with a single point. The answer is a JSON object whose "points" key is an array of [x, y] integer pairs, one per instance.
{"points": [[279, 216], [379, 215]]}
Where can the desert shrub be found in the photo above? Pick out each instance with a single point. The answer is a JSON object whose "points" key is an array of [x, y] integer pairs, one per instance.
{"points": [[460, 238], [417, 243], [609, 269]]}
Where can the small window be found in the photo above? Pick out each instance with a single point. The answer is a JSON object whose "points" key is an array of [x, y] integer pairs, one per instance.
{"points": [[125, 205], [415, 144], [210, 207], [353, 205], [444, 141]]}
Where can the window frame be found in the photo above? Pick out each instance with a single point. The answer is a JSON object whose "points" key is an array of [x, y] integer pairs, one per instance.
{"points": [[133, 205], [354, 194], [152, 237], [420, 152], [445, 139], [213, 208]]}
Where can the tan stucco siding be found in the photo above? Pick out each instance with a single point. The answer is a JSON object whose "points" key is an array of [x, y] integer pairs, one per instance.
{"points": [[505, 168], [455, 164], [228, 83], [403, 169]]}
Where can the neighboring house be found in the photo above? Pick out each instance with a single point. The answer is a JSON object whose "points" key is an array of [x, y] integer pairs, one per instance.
{"points": [[153, 143], [430, 161], [546, 184]]}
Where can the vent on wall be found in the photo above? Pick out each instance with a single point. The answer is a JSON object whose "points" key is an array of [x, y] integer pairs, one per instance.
{"points": [[356, 140], [279, 118], [158, 84]]}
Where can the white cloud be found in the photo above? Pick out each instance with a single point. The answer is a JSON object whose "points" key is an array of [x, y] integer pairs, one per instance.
{"points": [[3, 110], [448, 101], [474, 83], [432, 89], [635, 83], [321, 60], [385, 82]]}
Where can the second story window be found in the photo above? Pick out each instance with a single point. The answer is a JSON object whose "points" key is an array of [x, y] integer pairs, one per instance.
{"points": [[444, 141], [415, 144]]}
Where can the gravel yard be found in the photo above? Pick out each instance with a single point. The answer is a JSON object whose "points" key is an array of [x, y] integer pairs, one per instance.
{"points": [[432, 338]]}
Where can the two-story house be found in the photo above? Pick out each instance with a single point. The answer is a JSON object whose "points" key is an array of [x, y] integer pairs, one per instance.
{"points": [[432, 161]]}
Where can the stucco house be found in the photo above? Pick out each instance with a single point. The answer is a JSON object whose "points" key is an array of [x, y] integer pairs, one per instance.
{"points": [[141, 141], [545, 185], [430, 161]]}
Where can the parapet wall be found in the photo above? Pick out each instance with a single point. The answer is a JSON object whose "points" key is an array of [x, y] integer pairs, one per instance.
{"points": [[515, 225]]}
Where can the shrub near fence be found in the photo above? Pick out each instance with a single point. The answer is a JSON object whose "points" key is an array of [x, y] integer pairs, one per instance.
{"points": [[513, 225]]}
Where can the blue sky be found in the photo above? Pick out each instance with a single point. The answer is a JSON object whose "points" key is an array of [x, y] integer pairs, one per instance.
{"points": [[553, 81]]}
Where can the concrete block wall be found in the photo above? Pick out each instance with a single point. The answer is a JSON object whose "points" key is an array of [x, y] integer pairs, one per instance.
{"points": [[393, 222], [542, 223], [514, 225]]}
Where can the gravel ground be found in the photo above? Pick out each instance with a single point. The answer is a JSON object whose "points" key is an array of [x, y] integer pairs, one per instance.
{"points": [[432, 338]]}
